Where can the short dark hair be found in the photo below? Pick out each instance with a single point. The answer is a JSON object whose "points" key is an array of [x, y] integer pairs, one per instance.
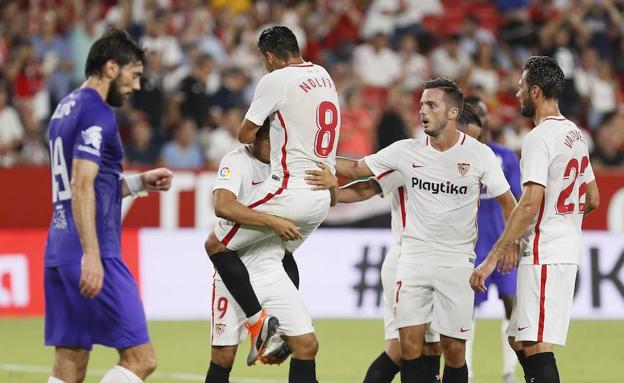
{"points": [[115, 45], [544, 72], [280, 41], [469, 116], [454, 95], [264, 129]]}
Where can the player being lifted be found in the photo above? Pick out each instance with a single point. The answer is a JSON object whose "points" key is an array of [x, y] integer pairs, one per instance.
{"points": [[559, 188], [301, 102], [386, 365], [91, 297], [490, 223], [443, 174]]}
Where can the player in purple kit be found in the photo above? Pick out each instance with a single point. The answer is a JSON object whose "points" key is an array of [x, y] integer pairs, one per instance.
{"points": [[91, 297], [491, 224]]}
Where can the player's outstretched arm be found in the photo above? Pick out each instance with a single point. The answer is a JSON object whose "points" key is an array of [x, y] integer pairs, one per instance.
{"points": [[352, 169], [247, 132], [592, 198], [83, 211], [150, 181], [358, 191], [322, 179], [227, 207], [519, 220]]}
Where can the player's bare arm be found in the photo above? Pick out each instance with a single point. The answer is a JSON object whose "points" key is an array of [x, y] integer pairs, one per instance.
{"points": [[358, 191], [228, 207], [150, 181], [592, 198], [352, 169], [83, 210], [518, 222], [247, 132], [508, 202]]}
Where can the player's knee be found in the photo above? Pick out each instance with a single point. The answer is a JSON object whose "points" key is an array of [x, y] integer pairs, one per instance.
{"points": [[454, 353], [411, 348], [432, 349], [141, 363], [150, 364], [213, 245], [304, 346], [223, 356]]}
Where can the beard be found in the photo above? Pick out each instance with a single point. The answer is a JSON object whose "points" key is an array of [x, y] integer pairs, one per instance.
{"points": [[436, 129], [527, 108], [114, 97]]}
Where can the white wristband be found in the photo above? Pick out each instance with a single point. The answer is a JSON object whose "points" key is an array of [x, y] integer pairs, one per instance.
{"points": [[135, 185]]}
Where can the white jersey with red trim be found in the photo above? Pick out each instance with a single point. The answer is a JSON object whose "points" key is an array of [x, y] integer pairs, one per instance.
{"points": [[443, 191], [391, 184], [302, 104], [555, 155], [242, 174]]}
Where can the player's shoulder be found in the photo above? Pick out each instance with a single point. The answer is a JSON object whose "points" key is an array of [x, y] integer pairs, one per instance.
{"points": [[92, 106], [473, 145], [242, 154]]}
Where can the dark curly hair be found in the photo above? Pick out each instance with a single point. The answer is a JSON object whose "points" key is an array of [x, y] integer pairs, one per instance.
{"points": [[544, 72], [280, 41], [115, 45]]}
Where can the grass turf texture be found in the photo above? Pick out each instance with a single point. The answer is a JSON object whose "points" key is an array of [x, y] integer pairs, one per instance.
{"points": [[346, 349]]}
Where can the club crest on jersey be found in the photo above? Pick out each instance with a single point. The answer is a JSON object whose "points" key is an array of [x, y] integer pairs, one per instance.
{"points": [[92, 138], [220, 328], [463, 168], [225, 173]]}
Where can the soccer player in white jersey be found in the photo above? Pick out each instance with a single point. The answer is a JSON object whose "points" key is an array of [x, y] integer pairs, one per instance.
{"points": [[301, 102], [443, 174], [273, 271], [559, 189]]}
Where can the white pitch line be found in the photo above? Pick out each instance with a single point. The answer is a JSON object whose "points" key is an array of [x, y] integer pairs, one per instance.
{"points": [[157, 375]]}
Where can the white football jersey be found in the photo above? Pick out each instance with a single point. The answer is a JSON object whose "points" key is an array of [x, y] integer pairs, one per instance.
{"points": [[240, 172], [302, 105], [391, 184], [554, 155], [443, 196]]}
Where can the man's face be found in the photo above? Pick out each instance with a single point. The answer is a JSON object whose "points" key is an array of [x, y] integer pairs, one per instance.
{"points": [[127, 81], [434, 111], [527, 105]]}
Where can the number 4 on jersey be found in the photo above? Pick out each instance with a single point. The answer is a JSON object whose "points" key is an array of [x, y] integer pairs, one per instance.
{"points": [[327, 121]]}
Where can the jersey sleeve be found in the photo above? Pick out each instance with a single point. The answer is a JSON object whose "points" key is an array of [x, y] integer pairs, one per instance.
{"points": [[385, 160], [493, 177], [512, 173], [389, 182], [267, 99], [589, 173], [96, 129], [231, 174], [535, 160]]}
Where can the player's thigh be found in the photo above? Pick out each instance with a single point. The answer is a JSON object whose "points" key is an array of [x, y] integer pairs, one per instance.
{"points": [[120, 318], [544, 302], [305, 208], [68, 314], [280, 298], [235, 237], [228, 319], [413, 297], [453, 302], [388, 282], [70, 364]]}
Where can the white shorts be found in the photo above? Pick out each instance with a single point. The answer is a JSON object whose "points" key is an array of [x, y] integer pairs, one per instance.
{"points": [[306, 208], [439, 295], [543, 303], [388, 282], [277, 295]]}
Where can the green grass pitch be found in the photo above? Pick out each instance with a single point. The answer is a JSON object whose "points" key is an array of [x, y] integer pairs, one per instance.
{"points": [[594, 353]]}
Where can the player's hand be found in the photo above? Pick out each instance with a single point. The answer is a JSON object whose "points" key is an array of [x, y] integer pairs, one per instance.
{"points": [[285, 229], [157, 179], [481, 273], [509, 260], [321, 179], [91, 275]]}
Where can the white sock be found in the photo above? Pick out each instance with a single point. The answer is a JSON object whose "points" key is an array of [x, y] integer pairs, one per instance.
{"points": [[52, 379], [254, 318], [510, 359], [469, 345], [119, 374]]}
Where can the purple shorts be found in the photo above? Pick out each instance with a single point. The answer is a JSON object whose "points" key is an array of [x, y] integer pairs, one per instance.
{"points": [[505, 285], [114, 318]]}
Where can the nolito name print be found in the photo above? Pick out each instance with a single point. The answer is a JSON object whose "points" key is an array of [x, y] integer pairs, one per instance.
{"points": [[439, 187]]}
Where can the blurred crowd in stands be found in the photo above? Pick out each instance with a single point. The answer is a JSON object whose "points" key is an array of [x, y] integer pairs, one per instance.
{"points": [[202, 66]]}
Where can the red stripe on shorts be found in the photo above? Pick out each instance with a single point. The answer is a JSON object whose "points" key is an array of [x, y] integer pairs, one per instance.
{"points": [[542, 314]]}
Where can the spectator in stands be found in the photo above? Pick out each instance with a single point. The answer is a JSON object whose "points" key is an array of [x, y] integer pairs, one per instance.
{"points": [[157, 39], [415, 67], [142, 149], [231, 94], [33, 148], [356, 127], [193, 96], [607, 153], [449, 60], [183, 151], [150, 99], [11, 130], [603, 94], [482, 72], [220, 141]]}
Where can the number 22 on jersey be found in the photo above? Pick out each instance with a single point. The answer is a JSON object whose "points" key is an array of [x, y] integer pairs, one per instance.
{"points": [[572, 172]]}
